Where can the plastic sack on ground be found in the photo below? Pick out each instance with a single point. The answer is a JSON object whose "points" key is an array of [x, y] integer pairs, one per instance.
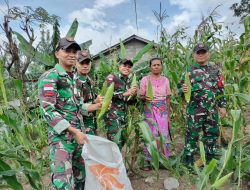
{"points": [[104, 165]]}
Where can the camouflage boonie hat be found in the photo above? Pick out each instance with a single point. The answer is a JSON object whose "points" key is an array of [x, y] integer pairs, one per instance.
{"points": [[83, 55], [200, 46], [65, 43]]}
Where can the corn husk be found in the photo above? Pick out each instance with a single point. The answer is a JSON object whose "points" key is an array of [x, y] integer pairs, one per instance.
{"points": [[107, 100], [150, 90], [188, 84], [104, 88], [2, 87], [133, 84]]}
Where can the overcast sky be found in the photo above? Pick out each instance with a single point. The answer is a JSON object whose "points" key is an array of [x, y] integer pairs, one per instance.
{"points": [[107, 21]]}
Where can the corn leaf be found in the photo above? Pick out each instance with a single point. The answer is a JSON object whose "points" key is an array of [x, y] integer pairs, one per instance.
{"points": [[144, 50], [235, 114], [117, 137], [107, 100], [219, 183], [155, 156], [164, 69], [146, 132], [175, 77], [10, 180], [210, 167], [245, 97], [245, 165], [188, 57], [165, 162], [122, 50], [236, 120], [73, 29]]}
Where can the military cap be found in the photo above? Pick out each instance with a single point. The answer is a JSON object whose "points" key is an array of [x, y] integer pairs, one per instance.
{"points": [[83, 55], [200, 46], [65, 43], [126, 61]]}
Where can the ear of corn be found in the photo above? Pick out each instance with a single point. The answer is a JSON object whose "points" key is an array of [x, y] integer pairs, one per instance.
{"points": [[104, 88], [107, 100], [150, 90], [188, 84], [2, 83], [202, 153], [133, 84], [219, 183]]}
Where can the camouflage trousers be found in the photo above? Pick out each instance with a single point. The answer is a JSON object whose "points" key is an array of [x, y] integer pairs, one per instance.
{"points": [[195, 124], [116, 130], [67, 165], [90, 125]]}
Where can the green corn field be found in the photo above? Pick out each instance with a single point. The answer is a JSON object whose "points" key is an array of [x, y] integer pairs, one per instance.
{"points": [[23, 131]]}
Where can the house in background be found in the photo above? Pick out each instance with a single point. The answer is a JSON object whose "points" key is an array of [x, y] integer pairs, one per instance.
{"points": [[133, 45]]}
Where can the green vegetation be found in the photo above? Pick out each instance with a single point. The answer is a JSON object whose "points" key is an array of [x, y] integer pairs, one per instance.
{"points": [[23, 132]]}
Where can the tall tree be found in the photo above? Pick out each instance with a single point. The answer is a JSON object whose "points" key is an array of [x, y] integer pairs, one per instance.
{"points": [[241, 9], [19, 56]]}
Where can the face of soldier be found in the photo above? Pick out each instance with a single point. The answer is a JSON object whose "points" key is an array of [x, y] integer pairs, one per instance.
{"points": [[125, 69], [67, 58], [201, 57], [84, 67], [156, 67]]}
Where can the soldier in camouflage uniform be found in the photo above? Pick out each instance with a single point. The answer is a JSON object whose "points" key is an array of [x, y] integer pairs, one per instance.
{"points": [[206, 99], [116, 116], [61, 109], [86, 87]]}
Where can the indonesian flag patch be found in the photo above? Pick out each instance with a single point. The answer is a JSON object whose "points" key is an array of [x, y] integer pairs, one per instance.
{"points": [[48, 90], [220, 83]]}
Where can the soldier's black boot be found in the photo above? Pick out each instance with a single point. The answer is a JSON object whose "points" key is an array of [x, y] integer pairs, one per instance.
{"points": [[209, 157], [188, 161]]}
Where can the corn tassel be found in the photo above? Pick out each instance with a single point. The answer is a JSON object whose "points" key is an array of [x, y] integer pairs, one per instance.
{"points": [[150, 90], [188, 84], [107, 100], [133, 84]]}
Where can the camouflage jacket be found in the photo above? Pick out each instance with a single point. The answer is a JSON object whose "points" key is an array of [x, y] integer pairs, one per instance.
{"points": [[60, 103], [121, 85], [86, 89], [207, 88]]}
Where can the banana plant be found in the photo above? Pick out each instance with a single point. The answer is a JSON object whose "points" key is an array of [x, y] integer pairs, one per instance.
{"points": [[73, 29]]}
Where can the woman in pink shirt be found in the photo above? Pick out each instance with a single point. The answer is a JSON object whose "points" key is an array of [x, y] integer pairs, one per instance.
{"points": [[156, 111]]}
